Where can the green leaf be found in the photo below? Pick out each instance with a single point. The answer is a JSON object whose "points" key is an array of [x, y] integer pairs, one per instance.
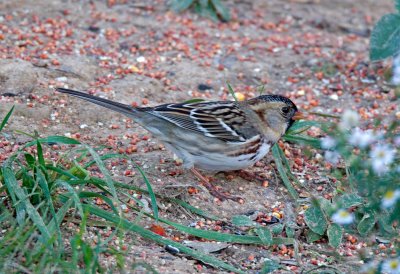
{"points": [[289, 231], [181, 5], [242, 220], [265, 235], [397, 4], [221, 10], [315, 219], [385, 37], [277, 228], [5, 120], [335, 235], [348, 200], [203, 3], [366, 224], [326, 206], [209, 12], [385, 221], [269, 266], [312, 236]]}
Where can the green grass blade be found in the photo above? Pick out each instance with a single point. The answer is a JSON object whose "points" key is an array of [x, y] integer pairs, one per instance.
{"points": [[88, 194], [46, 191], [324, 115], [222, 237], [53, 139], [106, 157], [282, 172], [11, 182], [125, 224], [301, 126], [187, 206], [20, 210], [105, 172], [40, 154], [303, 139], [5, 120], [151, 193], [62, 211], [231, 91], [225, 237], [65, 175], [286, 164], [73, 194], [193, 209]]}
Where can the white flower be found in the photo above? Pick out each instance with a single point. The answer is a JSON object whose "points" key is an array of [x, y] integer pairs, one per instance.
{"points": [[382, 156], [360, 138], [396, 141], [396, 70], [349, 120], [391, 266], [342, 217], [369, 267], [390, 198], [332, 157], [328, 142]]}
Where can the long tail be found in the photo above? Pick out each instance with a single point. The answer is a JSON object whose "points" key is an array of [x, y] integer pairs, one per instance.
{"points": [[122, 108]]}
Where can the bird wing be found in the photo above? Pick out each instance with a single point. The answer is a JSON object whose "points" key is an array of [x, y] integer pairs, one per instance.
{"points": [[221, 120]]}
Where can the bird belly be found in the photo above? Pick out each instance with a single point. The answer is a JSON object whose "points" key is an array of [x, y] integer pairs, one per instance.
{"points": [[225, 162], [209, 154]]}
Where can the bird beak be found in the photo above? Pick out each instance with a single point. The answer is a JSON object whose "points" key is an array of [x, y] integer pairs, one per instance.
{"points": [[298, 116]]}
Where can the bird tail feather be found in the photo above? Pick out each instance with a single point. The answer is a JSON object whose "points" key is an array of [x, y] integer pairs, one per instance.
{"points": [[119, 107]]}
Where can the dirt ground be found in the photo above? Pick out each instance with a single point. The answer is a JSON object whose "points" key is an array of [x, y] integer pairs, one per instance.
{"points": [[140, 53]]}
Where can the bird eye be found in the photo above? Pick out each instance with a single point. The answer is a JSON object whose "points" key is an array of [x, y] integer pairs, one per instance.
{"points": [[285, 110]]}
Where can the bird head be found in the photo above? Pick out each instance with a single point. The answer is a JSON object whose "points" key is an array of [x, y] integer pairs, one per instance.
{"points": [[277, 112]]}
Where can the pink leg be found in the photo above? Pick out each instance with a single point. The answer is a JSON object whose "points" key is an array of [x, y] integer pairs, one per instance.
{"points": [[212, 189]]}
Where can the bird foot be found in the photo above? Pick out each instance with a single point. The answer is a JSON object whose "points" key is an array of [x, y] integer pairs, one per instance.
{"points": [[213, 191], [250, 176]]}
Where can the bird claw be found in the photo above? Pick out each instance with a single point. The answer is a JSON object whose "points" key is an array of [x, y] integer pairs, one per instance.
{"points": [[250, 176], [222, 196], [213, 191]]}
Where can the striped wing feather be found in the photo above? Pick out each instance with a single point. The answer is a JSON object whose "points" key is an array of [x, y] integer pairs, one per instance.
{"points": [[213, 119]]}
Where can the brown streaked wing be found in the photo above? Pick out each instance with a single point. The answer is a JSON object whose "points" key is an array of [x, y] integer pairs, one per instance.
{"points": [[213, 119]]}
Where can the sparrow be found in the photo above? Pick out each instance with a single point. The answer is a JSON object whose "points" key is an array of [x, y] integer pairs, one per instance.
{"points": [[212, 135]]}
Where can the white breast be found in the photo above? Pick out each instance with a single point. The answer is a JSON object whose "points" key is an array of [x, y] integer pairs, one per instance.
{"points": [[222, 162]]}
